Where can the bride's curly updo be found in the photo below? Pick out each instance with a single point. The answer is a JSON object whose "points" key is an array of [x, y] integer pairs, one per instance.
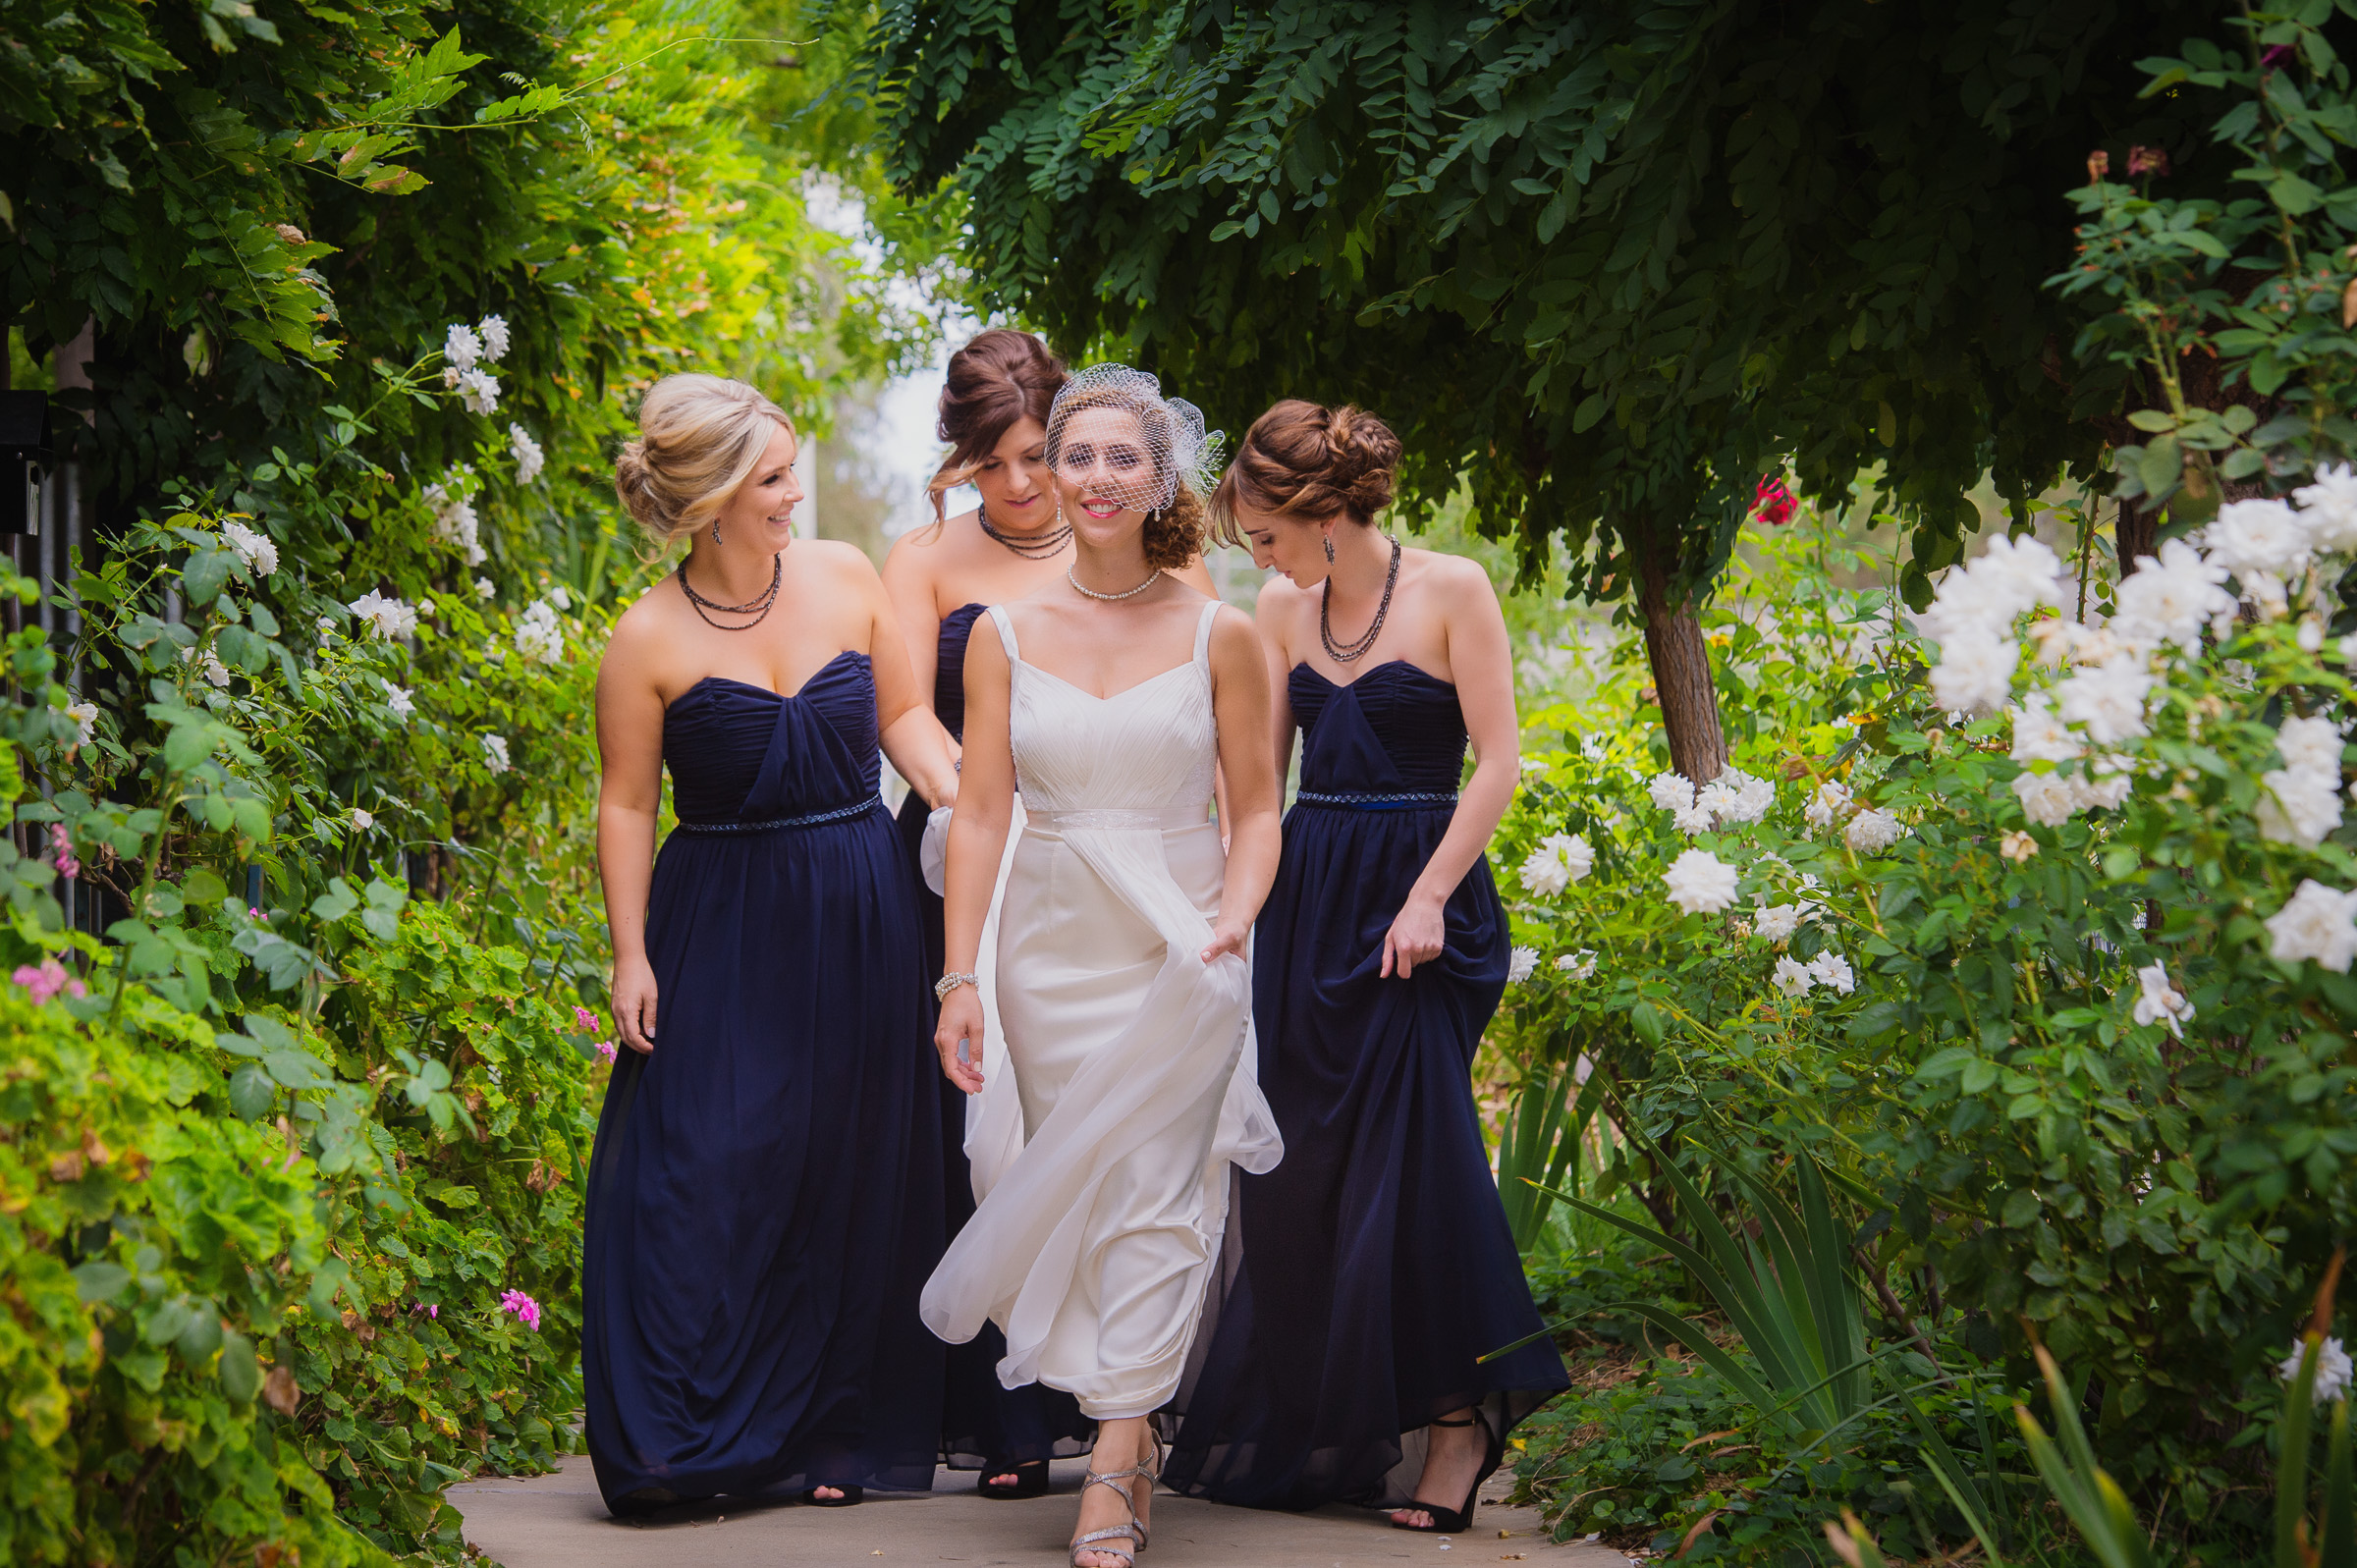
{"points": [[699, 437], [1309, 461]]}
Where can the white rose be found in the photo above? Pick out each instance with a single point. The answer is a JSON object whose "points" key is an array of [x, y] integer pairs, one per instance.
{"points": [[495, 753], [493, 330], [2332, 1369], [1791, 978], [2040, 736], [398, 698], [478, 391], [1521, 964], [2318, 922], [1700, 883], [1671, 792], [1833, 970], [1871, 831], [2046, 798], [2313, 743], [2107, 699], [85, 721], [1975, 671], [258, 551], [1778, 921], [460, 347], [2301, 806], [2258, 537], [1578, 965], [388, 617], [2160, 1002], [529, 460]]}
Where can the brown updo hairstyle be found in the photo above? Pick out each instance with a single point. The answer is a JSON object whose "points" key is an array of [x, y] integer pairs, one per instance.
{"points": [[699, 437], [1309, 461], [1176, 532], [993, 382]]}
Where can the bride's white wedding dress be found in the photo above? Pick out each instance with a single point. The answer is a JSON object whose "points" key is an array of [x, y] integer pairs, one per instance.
{"points": [[1130, 1057]]}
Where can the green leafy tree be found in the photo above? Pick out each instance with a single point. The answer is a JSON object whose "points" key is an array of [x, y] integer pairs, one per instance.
{"points": [[1609, 263]]}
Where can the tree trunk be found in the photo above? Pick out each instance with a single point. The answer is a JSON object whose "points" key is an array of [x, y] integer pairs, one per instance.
{"points": [[1681, 677], [2132, 534]]}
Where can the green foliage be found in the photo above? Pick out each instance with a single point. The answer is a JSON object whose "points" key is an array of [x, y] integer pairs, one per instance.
{"points": [[292, 1161], [1788, 1289], [2256, 282], [1656, 1453], [1633, 253]]}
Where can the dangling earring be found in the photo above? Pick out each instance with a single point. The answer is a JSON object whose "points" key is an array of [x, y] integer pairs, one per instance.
{"points": [[1327, 542], [716, 538]]}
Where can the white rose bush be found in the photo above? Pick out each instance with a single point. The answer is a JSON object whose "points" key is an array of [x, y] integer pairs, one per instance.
{"points": [[2044, 915]]}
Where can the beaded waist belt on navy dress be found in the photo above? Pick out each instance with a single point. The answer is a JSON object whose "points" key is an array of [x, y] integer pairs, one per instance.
{"points": [[1408, 800], [811, 819]]}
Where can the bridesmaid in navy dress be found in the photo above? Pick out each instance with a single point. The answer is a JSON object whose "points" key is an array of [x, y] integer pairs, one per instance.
{"points": [[1375, 1266], [993, 413], [765, 1192]]}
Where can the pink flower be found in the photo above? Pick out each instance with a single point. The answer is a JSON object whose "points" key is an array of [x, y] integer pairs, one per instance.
{"points": [[523, 1307], [605, 1048], [2148, 160], [1772, 504], [253, 913], [583, 1016], [420, 1307], [61, 847], [49, 980]]}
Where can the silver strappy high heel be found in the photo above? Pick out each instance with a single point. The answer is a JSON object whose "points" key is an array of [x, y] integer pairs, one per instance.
{"points": [[1131, 1531]]}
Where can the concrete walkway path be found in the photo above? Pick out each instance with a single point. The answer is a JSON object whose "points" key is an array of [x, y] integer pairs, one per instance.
{"points": [[559, 1522]]}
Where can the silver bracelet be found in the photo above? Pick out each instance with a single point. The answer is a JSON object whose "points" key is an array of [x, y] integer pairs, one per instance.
{"points": [[951, 981]]}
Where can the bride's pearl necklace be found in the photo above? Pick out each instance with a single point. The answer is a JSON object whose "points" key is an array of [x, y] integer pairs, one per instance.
{"points": [[1153, 578]]}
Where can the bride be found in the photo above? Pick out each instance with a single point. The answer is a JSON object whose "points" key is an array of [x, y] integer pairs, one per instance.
{"points": [[1123, 998]]}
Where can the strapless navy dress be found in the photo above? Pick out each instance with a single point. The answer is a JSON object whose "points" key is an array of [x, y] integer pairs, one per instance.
{"points": [[765, 1192], [981, 1423], [1368, 1274]]}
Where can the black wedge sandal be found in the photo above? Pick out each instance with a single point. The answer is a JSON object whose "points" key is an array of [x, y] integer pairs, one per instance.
{"points": [[1030, 1480], [1454, 1521]]}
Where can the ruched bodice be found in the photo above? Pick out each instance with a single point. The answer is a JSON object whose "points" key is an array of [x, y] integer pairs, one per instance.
{"points": [[738, 752], [1394, 728], [949, 668], [1150, 747]]}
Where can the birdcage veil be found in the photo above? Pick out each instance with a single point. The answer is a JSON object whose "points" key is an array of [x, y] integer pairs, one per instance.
{"points": [[1142, 456]]}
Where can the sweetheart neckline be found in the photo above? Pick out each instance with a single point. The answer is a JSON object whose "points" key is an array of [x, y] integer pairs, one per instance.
{"points": [[755, 685], [1110, 696], [1346, 685]]}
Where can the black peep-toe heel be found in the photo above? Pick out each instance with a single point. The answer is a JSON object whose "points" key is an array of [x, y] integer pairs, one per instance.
{"points": [[1454, 1521], [1030, 1480], [852, 1496]]}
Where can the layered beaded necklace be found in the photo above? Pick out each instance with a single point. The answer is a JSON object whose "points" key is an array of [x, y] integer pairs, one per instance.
{"points": [[1032, 547], [757, 606], [1344, 652]]}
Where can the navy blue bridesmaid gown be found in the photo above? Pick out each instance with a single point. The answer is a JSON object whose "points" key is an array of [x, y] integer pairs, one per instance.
{"points": [[1366, 1275], [765, 1191], [981, 1424]]}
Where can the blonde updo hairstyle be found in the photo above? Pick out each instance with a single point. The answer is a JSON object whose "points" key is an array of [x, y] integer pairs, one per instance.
{"points": [[699, 437], [1309, 463], [1177, 529]]}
